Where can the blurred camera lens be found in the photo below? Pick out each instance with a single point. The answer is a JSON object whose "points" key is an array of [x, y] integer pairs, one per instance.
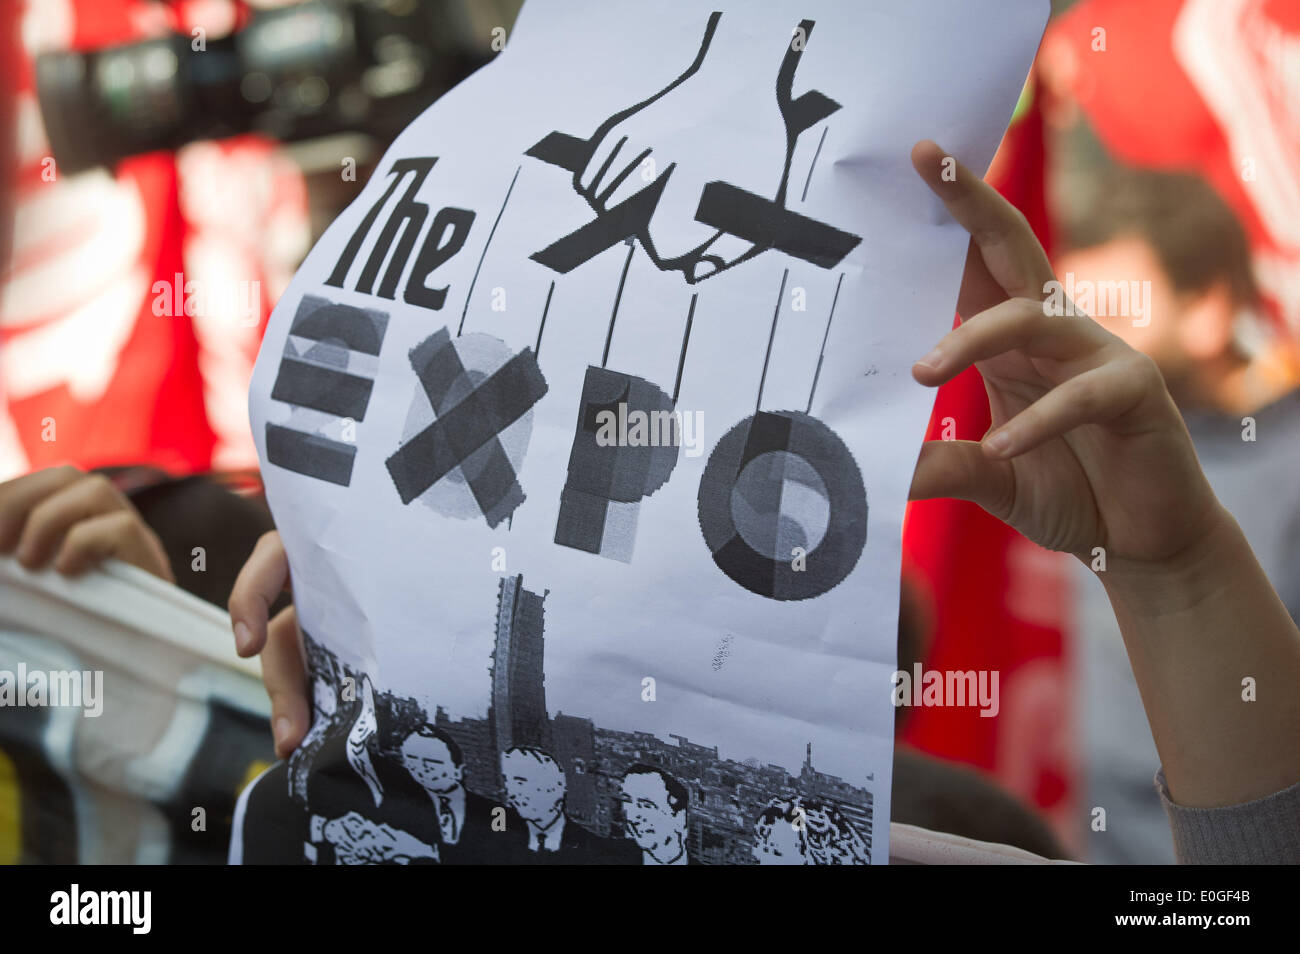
{"points": [[295, 72]]}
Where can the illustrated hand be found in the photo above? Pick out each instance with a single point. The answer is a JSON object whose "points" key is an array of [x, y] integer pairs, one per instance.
{"points": [[1086, 447], [284, 674], [359, 841], [656, 144], [77, 519]]}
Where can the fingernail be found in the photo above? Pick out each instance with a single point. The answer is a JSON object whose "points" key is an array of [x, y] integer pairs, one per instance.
{"points": [[243, 637], [933, 359], [281, 729], [703, 270], [999, 443]]}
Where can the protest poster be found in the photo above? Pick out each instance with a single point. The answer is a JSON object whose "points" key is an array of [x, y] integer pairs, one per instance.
{"points": [[588, 429]]}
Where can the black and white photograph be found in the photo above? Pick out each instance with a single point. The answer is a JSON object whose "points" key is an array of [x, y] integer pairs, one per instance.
{"points": [[511, 433]]}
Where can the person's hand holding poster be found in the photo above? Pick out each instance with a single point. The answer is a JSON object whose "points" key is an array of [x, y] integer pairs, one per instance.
{"points": [[588, 429]]}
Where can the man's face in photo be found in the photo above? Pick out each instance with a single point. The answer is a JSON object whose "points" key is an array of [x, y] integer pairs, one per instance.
{"points": [[648, 819], [778, 845], [534, 787], [430, 763]]}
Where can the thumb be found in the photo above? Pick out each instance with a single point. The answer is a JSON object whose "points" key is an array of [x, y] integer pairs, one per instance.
{"points": [[961, 470], [285, 677]]}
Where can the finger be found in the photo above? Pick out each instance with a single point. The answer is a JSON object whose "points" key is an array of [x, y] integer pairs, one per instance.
{"points": [[19, 496], [730, 247], [259, 584], [121, 534], [51, 519], [601, 159], [1012, 255], [285, 676], [1017, 324], [962, 471], [620, 184], [722, 250], [1099, 396], [979, 290]]}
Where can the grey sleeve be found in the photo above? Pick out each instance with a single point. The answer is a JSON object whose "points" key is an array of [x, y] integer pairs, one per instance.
{"points": [[1264, 831]]}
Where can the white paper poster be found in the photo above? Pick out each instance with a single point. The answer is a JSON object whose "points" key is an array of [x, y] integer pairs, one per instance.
{"points": [[589, 425]]}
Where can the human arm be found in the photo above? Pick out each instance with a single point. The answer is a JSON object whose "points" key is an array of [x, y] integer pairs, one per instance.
{"points": [[1097, 455]]}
